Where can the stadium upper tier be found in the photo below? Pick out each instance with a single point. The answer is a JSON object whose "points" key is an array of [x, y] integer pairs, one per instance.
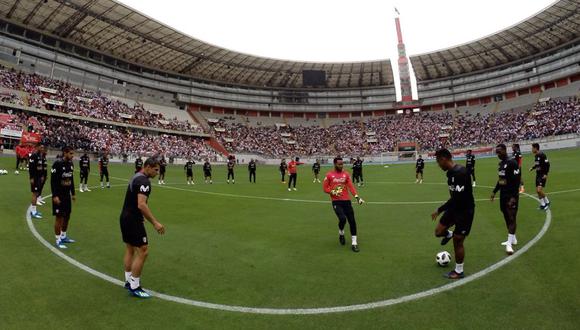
{"points": [[110, 32]]}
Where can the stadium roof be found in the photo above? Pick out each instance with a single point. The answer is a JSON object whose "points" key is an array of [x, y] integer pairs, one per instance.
{"points": [[557, 25], [112, 28], [116, 30]]}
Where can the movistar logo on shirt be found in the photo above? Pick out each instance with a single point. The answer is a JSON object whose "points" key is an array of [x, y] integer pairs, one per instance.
{"points": [[144, 189], [456, 188]]}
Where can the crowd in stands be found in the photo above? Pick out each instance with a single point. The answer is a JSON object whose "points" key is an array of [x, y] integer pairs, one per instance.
{"points": [[58, 132], [430, 130], [51, 94]]}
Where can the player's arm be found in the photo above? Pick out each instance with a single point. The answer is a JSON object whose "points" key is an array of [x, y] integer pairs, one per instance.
{"points": [[72, 188], [32, 168], [546, 165], [55, 177], [144, 208], [495, 190], [353, 191], [326, 185]]}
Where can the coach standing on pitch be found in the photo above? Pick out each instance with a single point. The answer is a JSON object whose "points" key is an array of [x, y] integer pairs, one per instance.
{"points": [[135, 208], [293, 172]]}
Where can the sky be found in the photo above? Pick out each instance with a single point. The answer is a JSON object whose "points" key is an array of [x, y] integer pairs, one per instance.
{"points": [[337, 30]]}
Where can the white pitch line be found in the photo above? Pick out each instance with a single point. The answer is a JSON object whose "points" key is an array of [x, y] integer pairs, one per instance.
{"points": [[303, 311]]}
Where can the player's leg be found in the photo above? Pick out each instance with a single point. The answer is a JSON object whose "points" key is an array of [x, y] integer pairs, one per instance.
{"points": [[459, 249], [290, 176], [349, 212], [128, 263], [57, 230], [362, 180], [64, 227], [102, 175], [108, 182], [295, 175], [509, 211], [540, 184], [473, 176], [139, 258], [442, 228], [339, 211]]}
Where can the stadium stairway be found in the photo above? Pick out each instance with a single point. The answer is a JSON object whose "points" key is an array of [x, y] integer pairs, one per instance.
{"points": [[214, 143], [199, 119]]}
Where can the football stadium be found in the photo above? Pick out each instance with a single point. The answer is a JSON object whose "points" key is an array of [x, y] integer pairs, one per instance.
{"points": [[152, 180]]}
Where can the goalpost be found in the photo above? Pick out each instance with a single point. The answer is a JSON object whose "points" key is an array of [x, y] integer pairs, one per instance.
{"points": [[406, 150]]}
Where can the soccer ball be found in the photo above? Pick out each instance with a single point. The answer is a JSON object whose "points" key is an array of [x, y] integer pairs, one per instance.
{"points": [[16, 172], [3, 172], [443, 258]]}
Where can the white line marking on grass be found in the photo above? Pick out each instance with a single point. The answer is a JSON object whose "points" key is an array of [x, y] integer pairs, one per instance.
{"points": [[304, 311]]}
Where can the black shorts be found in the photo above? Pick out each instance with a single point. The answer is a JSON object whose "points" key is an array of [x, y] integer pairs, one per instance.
{"points": [[189, 173], [64, 208], [84, 174], [36, 186], [419, 171], [162, 170], [470, 170], [316, 172], [462, 219], [540, 182], [133, 232], [105, 172], [510, 202], [207, 173]]}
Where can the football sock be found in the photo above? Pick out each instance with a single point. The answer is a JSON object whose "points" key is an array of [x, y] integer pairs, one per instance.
{"points": [[354, 240], [511, 238], [341, 232], [135, 282], [57, 238], [542, 202], [62, 234], [449, 234], [459, 268], [127, 276], [33, 209], [546, 200]]}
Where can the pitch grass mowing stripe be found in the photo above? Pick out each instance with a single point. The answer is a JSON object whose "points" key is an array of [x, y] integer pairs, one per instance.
{"points": [[303, 311]]}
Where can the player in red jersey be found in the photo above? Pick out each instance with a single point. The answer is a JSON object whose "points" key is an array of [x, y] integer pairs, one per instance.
{"points": [[337, 184], [292, 172]]}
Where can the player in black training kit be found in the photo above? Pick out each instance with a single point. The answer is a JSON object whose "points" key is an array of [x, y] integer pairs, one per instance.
{"points": [[357, 172], [162, 170], [85, 169], [104, 170], [283, 168], [188, 167], [542, 167], [419, 166], [316, 171], [207, 172], [37, 175], [231, 164], [135, 210], [517, 155], [508, 185], [138, 164], [458, 211], [470, 165], [252, 170], [63, 194]]}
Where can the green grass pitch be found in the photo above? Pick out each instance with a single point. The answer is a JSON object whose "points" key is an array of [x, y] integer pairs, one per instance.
{"points": [[258, 245]]}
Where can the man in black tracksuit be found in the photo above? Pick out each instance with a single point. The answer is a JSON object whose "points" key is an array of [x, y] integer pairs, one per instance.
{"points": [[252, 170]]}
